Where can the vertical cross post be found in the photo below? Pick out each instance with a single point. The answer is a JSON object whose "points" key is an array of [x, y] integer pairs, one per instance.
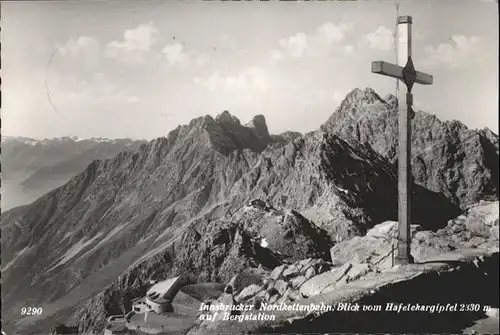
{"points": [[405, 71], [404, 155]]}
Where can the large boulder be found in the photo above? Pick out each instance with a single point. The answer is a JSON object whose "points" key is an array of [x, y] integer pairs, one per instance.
{"points": [[244, 279], [377, 247], [477, 227], [248, 292], [324, 282]]}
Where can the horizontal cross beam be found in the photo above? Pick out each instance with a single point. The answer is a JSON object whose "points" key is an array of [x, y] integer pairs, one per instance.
{"points": [[395, 71]]}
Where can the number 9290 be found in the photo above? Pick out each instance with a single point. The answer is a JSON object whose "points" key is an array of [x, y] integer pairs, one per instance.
{"points": [[31, 311]]}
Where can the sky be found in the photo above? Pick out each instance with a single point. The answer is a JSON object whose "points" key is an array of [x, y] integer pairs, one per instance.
{"points": [[139, 68]]}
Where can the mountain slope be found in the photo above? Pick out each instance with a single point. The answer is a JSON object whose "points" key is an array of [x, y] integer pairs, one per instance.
{"points": [[146, 212], [111, 205], [181, 203], [447, 157]]}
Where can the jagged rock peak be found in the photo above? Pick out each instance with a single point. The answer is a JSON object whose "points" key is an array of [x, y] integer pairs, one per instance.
{"points": [[226, 118], [354, 107], [491, 136], [259, 126], [368, 95], [447, 157], [258, 121], [198, 122], [390, 99], [226, 133], [487, 130]]}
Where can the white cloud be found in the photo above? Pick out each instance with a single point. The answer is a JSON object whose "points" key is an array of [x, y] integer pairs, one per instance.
{"points": [[295, 45], [254, 78], [459, 51], [77, 56], [135, 45], [332, 33], [84, 44], [326, 38], [381, 39], [140, 38], [176, 55]]}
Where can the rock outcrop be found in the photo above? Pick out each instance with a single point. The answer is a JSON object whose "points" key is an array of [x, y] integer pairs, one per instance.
{"points": [[477, 228], [363, 265]]}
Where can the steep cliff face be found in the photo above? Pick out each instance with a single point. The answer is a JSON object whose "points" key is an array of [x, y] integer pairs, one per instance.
{"points": [[181, 203], [344, 187], [447, 157]]}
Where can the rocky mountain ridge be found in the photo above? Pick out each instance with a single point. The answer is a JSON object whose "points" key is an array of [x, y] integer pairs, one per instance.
{"points": [[447, 157], [182, 202]]}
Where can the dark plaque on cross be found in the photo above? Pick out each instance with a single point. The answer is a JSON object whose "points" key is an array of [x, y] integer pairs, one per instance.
{"points": [[405, 71]]}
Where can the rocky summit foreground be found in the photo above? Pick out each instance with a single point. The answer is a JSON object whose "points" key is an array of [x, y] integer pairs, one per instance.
{"points": [[452, 284], [216, 197]]}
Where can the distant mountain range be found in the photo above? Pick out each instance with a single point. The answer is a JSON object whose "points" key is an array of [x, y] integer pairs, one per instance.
{"points": [[182, 204], [31, 168]]}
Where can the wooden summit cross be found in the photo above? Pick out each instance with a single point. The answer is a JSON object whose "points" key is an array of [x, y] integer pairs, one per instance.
{"points": [[405, 71]]}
